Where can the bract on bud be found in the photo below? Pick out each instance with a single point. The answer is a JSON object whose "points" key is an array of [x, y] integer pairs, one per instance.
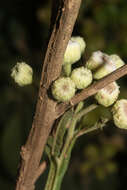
{"points": [[111, 63], [95, 61], [108, 95], [63, 89], [119, 111], [22, 74], [82, 77], [72, 53], [81, 42]]}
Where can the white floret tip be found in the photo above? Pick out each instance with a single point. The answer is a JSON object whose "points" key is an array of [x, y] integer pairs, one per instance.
{"points": [[72, 53], [81, 42]]}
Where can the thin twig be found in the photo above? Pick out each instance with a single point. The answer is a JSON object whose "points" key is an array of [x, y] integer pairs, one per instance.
{"points": [[98, 125], [86, 111]]}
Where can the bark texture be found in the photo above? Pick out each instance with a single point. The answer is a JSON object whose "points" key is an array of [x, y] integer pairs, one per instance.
{"points": [[45, 114]]}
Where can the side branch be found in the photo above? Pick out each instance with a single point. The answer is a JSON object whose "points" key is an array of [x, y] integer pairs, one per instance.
{"points": [[91, 90]]}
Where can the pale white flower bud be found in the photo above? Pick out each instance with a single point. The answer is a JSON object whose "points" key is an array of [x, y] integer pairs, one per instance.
{"points": [[118, 61], [108, 95], [22, 74], [111, 63], [72, 53], [81, 42], [95, 61], [82, 77], [119, 111], [63, 89]]}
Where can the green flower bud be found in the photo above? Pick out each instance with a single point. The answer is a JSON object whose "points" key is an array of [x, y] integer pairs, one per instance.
{"points": [[72, 53], [63, 89], [81, 42], [118, 61], [95, 61], [111, 63], [82, 77], [108, 95], [119, 111], [22, 74]]}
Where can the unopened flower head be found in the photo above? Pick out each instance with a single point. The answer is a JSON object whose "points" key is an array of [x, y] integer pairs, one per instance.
{"points": [[22, 74], [63, 89], [81, 42], [111, 63], [119, 111], [82, 77], [118, 61], [108, 95], [72, 53], [95, 61]]}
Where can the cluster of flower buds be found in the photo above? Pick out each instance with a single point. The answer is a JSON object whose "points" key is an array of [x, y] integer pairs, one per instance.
{"points": [[97, 66], [64, 88], [101, 65]]}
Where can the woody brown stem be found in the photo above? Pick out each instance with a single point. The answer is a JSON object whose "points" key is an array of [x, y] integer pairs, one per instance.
{"points": [[45, 113]]}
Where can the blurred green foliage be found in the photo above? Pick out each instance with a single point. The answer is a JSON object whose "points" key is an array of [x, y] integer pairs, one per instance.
{"points": [[98, 159]]}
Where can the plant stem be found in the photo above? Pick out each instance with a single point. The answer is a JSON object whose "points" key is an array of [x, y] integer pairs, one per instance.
{"points": [[59, 163], [86, 110], [51, 176], [61, 169], [98, 125]]}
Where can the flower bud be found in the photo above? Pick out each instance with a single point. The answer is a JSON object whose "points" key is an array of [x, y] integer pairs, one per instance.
{"points": [[22, 74], [108, 95], [63, 89], [82, 77], [81, 42], [72, 53], [118, 61], [95, 60], [119, 111], [111, 63]]}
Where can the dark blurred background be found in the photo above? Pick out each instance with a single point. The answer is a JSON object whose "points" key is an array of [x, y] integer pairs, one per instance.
{"points": [[99, 159]]}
